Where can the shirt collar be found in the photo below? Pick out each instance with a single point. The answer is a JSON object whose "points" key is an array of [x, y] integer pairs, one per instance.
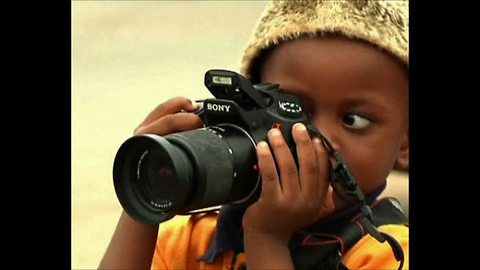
{"points": [[228, 234]]}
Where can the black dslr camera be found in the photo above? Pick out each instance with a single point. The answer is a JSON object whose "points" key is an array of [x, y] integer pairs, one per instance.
{"points": [[158, 177]]}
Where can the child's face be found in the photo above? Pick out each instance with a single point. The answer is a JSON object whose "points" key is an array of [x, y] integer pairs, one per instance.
{"points": [[355, 94]]}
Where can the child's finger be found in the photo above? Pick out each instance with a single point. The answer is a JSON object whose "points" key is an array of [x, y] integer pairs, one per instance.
{"points": [[285, 162], [173, 105], [171, 123], [323, 162], [307, 161], [268, 171]]}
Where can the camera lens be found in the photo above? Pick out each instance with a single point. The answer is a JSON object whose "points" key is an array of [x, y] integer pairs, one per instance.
{"points": [[151, 177], [156, 177]]}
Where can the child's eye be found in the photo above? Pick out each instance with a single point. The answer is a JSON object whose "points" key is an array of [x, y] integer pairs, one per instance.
{"points": [[355, 121]]}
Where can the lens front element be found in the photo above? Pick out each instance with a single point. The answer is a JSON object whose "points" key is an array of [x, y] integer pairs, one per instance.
{"points": [[151, 178]]}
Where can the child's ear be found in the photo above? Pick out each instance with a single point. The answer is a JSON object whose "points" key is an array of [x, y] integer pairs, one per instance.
{"points": [[402, 159]]}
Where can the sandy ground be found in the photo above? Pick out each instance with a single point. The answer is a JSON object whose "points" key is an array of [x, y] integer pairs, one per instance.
{"points": [[127, 57]]}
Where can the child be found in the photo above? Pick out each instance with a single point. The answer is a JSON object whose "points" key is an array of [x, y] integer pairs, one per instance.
{"points": [[348, 62]]}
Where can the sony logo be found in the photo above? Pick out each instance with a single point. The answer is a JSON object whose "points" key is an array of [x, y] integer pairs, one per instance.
{"points": [[218, 107]]}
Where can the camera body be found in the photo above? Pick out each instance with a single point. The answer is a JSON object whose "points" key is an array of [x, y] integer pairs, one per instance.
{"points": [[158, 177], [255, 108]]}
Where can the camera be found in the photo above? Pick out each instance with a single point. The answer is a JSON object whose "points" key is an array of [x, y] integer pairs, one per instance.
{"points": [[157, 177]]}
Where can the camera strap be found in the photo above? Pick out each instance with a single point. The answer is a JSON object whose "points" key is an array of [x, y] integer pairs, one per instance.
{"points": [[346, 187], [321, 245]]}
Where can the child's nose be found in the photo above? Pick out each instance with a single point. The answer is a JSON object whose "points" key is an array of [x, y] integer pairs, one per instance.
{"points": [[333, 141]]}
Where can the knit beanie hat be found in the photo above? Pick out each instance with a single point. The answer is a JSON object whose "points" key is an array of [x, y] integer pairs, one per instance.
{"points": [[382, 23]]}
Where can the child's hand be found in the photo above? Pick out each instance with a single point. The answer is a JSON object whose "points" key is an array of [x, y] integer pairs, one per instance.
{"points": [[132, 238], [291, 198], [167, 118]]}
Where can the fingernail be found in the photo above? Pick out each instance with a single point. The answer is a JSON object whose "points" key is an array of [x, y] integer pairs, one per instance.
{"points": [[302, 130], [300, 127], [275, 132], [262, 144], [262, 148]]}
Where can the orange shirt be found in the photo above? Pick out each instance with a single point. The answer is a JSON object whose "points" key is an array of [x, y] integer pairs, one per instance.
{"points": [[184, 239]]}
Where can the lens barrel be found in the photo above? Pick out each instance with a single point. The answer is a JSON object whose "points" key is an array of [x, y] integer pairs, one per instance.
{"points": [[156, 177]]}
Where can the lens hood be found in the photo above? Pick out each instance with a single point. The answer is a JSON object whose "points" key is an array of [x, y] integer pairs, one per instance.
{"points": [[131, 183]]}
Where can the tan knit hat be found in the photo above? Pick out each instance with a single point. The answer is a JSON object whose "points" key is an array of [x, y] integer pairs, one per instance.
{"points": [[383, 23]]}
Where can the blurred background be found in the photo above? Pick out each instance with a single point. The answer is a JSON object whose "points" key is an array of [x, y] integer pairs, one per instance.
{"points": [[128, 57]]}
